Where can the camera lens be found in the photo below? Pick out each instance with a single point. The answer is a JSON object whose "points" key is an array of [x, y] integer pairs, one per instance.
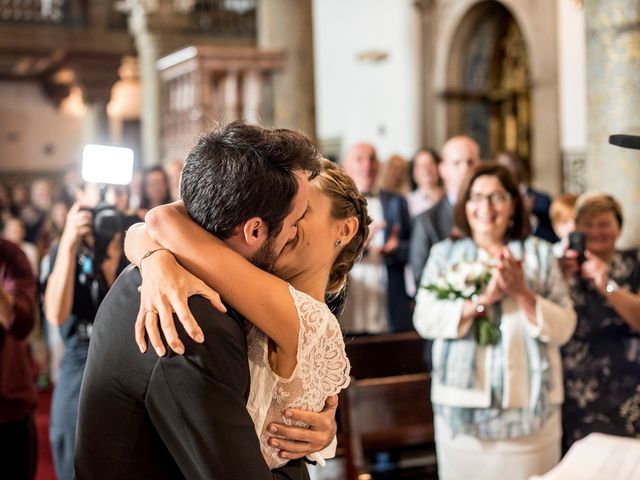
{"points": [[107, 222]]}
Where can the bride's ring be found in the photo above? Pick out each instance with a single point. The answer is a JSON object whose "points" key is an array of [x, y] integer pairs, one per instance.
{"points": [[155, 312]]}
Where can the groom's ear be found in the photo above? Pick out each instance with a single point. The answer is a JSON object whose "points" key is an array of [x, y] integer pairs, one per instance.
{"points": [[254, 231]]}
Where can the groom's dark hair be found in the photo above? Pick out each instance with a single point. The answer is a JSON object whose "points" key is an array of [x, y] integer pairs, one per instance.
{"points": [[239, 171]]}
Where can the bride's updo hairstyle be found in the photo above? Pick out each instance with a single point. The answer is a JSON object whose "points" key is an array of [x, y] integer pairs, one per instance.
{"points": [[346, 201]]}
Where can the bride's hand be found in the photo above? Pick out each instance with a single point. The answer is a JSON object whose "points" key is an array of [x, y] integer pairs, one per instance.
{"points": [[166, 288]]}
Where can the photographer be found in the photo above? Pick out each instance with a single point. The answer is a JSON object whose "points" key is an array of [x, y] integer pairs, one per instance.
{"points": [[602, 360], [85, 264]]}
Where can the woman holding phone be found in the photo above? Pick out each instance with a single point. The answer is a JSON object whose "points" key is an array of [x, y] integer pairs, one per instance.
{"points": [[602, 360]]}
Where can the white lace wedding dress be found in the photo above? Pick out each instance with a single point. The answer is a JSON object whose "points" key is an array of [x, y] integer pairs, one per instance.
{"points": [[322, 369]]}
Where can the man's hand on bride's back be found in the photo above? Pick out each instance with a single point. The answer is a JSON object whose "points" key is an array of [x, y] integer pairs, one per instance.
{"points": [[166, 288], [297, 442]]}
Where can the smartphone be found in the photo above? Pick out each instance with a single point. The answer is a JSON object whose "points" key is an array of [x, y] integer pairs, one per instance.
{"points": [[576, 242]]}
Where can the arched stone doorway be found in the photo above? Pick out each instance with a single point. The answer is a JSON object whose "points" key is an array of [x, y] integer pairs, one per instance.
{"points": [[452, 32], [487, 93]]}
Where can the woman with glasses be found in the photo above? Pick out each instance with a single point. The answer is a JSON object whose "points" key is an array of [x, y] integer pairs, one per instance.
{"points": [[496, 398]]}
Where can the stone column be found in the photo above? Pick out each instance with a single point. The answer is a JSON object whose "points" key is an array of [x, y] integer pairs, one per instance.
{"points": [[147, 47], [96, 124], [613, 96], [231, 96], [252, 95], [286, 25], [428, 23]]}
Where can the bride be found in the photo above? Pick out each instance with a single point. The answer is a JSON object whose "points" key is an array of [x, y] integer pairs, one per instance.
{"points": [[295, 346]]}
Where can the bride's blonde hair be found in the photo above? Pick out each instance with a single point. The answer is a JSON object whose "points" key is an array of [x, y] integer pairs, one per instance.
{"points": [[346, 201]]}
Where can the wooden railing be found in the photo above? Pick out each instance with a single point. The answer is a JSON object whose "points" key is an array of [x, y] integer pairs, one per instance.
{"points": [[217, 18], [220, 17], [51, 12], [206, 84]]}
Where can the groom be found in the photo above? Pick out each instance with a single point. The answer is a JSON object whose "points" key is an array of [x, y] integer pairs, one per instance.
{"points": [[184, 416]]}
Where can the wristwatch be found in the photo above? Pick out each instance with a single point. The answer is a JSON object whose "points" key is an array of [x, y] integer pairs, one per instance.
{"points": [[612, 286]]}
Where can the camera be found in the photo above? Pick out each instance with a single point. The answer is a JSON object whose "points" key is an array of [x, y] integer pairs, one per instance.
{"points": [[109, 221], [106, 224], [106, 220], [103, 165], [106, 164]]}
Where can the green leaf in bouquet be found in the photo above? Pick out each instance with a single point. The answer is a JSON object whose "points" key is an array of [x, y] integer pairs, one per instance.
{"points": [[486, 332]]}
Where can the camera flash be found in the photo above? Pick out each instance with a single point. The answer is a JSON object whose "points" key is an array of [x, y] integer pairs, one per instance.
{"points": [[107, 164]]}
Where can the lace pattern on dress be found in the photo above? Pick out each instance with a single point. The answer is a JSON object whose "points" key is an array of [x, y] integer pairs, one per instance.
{"points": [[322, 369]]}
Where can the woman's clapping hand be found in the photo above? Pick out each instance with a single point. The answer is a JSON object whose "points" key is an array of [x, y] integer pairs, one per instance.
{"points": [[510, 274], [493, 293]]}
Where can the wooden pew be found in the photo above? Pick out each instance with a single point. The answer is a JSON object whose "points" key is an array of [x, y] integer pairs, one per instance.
{"points": [[387, 405], [386, 355]]}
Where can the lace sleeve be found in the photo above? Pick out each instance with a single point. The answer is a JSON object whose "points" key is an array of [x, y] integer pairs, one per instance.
{"points": [[322, 368]]}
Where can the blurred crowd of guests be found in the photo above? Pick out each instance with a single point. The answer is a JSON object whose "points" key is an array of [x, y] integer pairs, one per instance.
{"points": [[567, 362], [61, 250], [568, 359], [412, 204]]}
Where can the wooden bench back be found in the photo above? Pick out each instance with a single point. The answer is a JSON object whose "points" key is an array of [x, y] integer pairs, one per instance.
{"points": [[386, 355], [387, 406]]}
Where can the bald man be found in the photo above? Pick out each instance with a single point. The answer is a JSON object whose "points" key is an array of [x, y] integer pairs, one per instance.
{"points": [[377, 300], [460, 154]]}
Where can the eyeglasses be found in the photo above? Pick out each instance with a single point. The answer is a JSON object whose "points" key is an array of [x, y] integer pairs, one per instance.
{"points": [[495, 198]]}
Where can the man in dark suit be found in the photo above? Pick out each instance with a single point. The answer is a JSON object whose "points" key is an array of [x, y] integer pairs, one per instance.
{"points": [[398, 226], [459, 155], [377, 299], [184, 416], [537, 202]]}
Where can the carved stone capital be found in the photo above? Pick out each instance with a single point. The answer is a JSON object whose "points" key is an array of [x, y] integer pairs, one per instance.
{"points": [[95, 74]]}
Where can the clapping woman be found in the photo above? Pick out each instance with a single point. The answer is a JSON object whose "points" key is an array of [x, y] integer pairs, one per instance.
{"points": [[496, 406]]}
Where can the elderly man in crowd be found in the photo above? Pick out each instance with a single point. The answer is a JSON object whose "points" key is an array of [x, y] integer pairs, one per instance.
{"points": [[459, 155], [377, 300]]}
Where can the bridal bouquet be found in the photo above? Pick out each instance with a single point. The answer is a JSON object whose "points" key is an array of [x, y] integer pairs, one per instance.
{"points": [[468, 280]]}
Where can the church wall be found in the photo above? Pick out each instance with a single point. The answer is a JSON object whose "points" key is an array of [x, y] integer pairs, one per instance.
{"points": [[34, 136], [375, 99]]}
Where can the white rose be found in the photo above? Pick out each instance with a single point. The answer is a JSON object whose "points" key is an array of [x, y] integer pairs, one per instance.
{"points": [[457, 279]]}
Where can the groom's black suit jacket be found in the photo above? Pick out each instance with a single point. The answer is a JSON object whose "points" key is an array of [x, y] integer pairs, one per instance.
{"points": [[172, 417]]}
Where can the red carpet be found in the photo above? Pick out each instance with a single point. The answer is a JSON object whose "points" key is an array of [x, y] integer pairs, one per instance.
{"points": [[45, 462]]}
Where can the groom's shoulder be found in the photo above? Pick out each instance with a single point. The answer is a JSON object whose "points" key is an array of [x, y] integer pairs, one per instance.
{"points": [[223, 353], [221, 329], [127, 282], [123, 297], [201, 307]]}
